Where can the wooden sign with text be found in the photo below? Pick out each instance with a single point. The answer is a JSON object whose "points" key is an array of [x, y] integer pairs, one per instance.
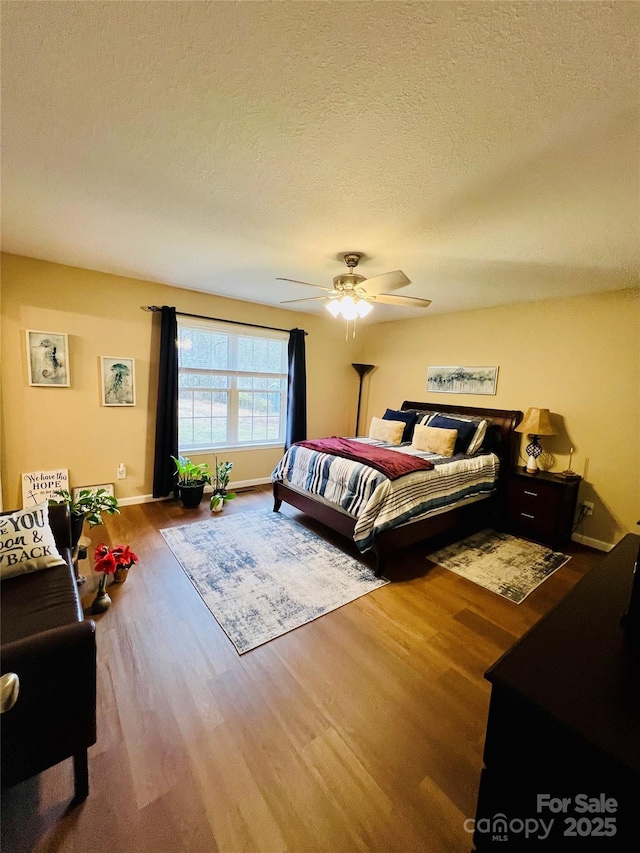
{"points": [[39, 486]]}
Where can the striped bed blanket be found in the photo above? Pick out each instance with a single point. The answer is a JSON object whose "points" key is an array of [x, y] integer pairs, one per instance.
{"points": [[378, 503]]}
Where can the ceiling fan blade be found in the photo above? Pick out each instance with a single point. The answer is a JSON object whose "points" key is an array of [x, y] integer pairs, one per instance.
{"points": [[386, 281], [403, 300], [309, 299], [308, 283]]}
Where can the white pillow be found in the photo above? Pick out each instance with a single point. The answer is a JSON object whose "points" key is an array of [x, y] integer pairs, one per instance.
{"points": [[26, 542], [424, 420], [389, 431], [478, 438], [434, 440]]}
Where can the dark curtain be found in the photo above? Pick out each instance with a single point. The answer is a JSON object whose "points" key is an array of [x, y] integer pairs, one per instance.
{"points": [[296, 389], [167, 411]]}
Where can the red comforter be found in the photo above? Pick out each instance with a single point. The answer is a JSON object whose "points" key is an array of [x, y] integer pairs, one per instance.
{"points": [[389, 462]]}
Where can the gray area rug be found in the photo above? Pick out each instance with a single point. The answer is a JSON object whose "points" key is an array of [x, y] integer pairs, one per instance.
{"points": [[505, 564], [262, 574]]}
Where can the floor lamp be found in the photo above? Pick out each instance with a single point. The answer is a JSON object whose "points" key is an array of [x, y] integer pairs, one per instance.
{"points": [[361, 370]]}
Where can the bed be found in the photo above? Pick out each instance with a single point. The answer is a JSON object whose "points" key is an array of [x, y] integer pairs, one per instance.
{"points": [[367, 519]]}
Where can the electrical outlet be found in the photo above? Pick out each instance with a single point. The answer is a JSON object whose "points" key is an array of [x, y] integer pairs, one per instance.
{"points": [[121, 471], [588, 507]]}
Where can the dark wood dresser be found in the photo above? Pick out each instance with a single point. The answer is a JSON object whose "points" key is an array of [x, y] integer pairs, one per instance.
{"points": [[563, 735]]}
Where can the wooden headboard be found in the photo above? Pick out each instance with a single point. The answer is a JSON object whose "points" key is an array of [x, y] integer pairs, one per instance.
{"points": [[504, 420]]}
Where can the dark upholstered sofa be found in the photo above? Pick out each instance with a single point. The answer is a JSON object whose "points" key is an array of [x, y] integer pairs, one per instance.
{"points": [[46, 643]]}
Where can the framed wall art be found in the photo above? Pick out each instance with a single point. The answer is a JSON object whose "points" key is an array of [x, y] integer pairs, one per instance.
{"points": [[462, 380], [117, 381], [48, 359], [108, 489]]}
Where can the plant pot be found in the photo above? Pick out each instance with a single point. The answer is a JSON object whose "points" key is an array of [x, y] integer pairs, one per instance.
{"points": [[120, 575], [77, 523], [191, 495]]}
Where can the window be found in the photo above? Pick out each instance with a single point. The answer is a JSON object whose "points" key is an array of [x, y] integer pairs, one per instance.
{"points": [[232, 385]]}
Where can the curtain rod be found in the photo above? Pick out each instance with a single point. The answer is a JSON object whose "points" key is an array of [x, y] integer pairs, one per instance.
{"points": [[154, 308]]}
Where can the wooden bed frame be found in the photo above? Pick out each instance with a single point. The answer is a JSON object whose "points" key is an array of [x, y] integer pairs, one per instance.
{"points": [[389, 541]]}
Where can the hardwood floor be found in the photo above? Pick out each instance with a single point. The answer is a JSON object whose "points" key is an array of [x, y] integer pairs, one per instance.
{"points": [[361, 731]]}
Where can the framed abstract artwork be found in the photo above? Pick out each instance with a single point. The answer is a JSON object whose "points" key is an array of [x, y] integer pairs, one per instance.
{"points": [[117, 381], [48, 359], [462, 380]]}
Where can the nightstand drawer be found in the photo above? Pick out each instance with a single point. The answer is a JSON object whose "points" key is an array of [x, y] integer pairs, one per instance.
{"points": [[531, 505]]}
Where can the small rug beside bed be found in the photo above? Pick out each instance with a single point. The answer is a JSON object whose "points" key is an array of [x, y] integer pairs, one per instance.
{"points": [[262, 574], [499, 562]]}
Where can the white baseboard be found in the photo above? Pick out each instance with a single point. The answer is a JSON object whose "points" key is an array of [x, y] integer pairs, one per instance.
{"points": [[138, 499], [147, 499], [598, 544]]}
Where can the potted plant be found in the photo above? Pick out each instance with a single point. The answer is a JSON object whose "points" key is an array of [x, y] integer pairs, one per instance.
{"points": [[192, 478], [88, 505], [221, 481], [110, 561]]}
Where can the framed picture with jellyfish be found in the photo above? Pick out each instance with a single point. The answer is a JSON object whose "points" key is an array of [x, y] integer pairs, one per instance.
{"points": [[117, 381]]}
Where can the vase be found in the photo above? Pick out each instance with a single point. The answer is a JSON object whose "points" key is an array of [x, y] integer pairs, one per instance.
{"points": [[120, 575], [101, 602]]}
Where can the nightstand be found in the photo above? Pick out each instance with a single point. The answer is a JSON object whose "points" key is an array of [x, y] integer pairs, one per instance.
{"points": [[541, 506]]}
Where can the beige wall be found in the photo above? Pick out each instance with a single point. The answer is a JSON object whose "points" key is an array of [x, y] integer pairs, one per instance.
{"points": [[46, 428], [578, 357]]}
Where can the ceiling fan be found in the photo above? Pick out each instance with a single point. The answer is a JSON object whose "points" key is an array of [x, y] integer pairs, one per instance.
{"points": [[348, 296]]}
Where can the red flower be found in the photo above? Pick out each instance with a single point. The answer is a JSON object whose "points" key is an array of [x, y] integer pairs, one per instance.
{"points": [[124, 556], [106, 564], [101, 551], [107, 560]]}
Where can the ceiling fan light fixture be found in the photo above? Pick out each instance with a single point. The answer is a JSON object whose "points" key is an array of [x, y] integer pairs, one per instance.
{"points": [[334, 307], [363, 307], [352, 294], [348, 308]]}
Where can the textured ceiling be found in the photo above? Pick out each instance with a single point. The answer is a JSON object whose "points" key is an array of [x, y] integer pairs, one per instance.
{"points": [[489, 150]]}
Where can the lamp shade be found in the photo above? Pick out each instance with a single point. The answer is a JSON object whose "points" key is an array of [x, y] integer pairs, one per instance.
{"points": [[362, 369], [536, 422], [334, 307]]}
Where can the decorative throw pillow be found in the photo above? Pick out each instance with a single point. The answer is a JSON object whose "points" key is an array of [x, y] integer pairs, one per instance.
{"points": [[26, 542], [425, 417], [434, 440], [407, 418], [389, 431], [477, 439], [466, 430]]}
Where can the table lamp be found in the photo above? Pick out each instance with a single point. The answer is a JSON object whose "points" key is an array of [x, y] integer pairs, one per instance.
{"points": [[535, 423]]}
